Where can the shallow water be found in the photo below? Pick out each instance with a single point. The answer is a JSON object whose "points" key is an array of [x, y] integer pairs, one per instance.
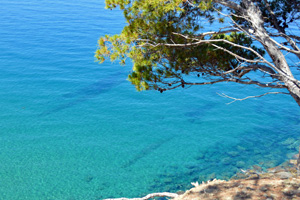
{"points": [[73, 129]]}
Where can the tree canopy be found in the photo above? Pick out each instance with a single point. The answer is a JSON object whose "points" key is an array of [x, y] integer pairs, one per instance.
{"points": [[180, 43]]}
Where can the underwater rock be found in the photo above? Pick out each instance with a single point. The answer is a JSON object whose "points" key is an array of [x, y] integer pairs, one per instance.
{"points": [[195, 166], [200, 156], [270, 157], [88, 178], [240, 164], [295, 156], [288, 141], [201, 178], [233, 153], [257, 168], [192, 172], [270, 163], [226, 175], [257, 151], [191, 166], [148, 149], [268, 144], [240, 148], [294, 146], [211, 176], [290, 155], [285, 165], [168, 180], [179, 187], [226, 161]]}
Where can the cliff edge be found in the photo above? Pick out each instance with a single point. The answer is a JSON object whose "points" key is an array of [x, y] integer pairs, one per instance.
{"points": [[278, 183]]}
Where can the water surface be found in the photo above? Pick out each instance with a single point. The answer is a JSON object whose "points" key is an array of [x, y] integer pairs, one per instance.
{"points": [[73, 129]]}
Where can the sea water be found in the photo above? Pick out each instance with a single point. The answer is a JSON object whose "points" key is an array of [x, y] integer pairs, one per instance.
{"points": [[73, 129]]}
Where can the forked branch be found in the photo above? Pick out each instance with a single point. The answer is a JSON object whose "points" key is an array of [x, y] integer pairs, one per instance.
{"points": [[248, 97]]}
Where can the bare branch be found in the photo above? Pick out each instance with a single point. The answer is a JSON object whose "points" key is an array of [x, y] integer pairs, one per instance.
{"points": [[262, 68], [248, 97], [274, 20], [295, 37], [235, 69], [280, 30], [206, 83], [263, 60], [230, 4], [297, 52], [190, 3], [252, 82], [237, 80], [149, 196], [282, 35], [238, 27], [202, 35]]}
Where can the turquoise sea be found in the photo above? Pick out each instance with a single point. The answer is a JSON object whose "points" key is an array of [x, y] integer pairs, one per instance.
{"points": [[72, 129]]}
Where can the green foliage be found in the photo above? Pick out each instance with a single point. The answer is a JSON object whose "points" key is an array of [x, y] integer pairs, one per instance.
{"points": [[152, 24]]}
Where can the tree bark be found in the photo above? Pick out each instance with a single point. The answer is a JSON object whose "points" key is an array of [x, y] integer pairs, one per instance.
{"points": [[294, 90], [298, 164], [255, 17]]}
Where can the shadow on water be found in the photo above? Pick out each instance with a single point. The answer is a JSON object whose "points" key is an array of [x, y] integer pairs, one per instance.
{"points": [[196, 115], [259, 148], [147, 150], [87, 93]]}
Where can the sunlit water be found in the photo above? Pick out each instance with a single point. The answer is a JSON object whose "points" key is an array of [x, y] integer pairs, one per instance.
{"points": [[73, 129]]}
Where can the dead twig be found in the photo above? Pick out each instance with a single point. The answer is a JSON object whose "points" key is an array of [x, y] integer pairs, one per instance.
{"points": [[149, 196], [248, 97]]}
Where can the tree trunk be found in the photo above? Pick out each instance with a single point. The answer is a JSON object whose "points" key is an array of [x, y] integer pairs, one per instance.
{"points": [[295, 94], [256, 20], [298, 164], [294, 90]]}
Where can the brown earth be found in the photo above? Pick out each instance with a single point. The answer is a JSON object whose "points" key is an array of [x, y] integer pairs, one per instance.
{"points": [[278, 183]]}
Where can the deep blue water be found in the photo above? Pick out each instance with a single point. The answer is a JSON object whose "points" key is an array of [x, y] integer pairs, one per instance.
{"points": [[73, 129]]}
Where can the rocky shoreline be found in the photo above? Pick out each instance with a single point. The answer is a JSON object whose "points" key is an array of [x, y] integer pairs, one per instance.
{"points": [[281, 182], [262, 181], [278, 183]]}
